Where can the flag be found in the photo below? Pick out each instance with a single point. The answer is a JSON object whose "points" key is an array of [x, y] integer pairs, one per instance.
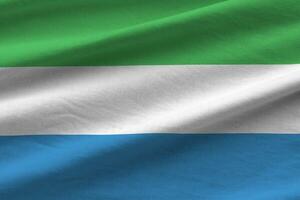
{"points": [[145, 99]]}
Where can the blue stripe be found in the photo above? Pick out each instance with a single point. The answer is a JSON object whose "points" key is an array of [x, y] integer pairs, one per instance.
{"points": [[153, 166]]}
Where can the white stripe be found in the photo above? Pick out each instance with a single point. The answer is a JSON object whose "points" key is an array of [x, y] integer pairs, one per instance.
{"points": [[150, 99]]}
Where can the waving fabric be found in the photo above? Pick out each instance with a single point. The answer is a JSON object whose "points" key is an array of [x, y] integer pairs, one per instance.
{"points": [[135, 32], [140, 99]]}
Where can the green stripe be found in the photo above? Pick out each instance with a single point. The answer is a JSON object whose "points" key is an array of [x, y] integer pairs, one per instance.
{"points": [[134, 32]]}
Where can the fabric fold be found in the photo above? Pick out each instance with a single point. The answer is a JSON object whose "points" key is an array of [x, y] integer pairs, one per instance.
{"points": [[205, 32], [152, 99]]}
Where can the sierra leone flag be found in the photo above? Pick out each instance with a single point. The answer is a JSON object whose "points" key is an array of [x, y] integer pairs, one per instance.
{"points": [[149, 99]]}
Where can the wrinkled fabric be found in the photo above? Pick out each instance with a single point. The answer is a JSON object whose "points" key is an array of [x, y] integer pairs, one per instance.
{"points": [[152, 99], [153, 166], [140, 99], [135, 32]]}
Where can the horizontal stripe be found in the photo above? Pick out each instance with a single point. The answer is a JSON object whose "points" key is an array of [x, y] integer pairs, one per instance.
{"points": [[134, 32], [134, 167], [163, 99]]}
